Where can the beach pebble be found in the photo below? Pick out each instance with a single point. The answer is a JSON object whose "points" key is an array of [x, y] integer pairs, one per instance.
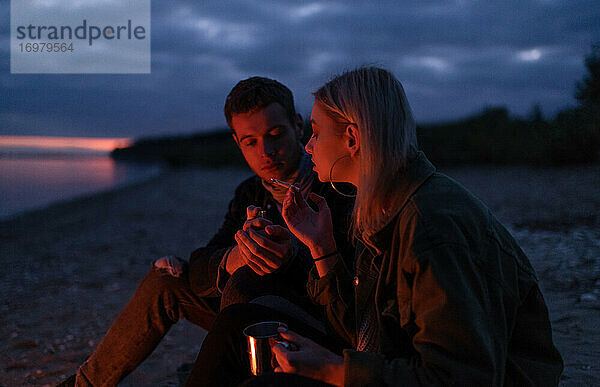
{"points": [[115, 286], [588, 297]]}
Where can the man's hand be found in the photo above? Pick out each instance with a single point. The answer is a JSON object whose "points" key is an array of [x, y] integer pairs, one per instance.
{"points": [[175, 266], [261, 245], [310, 359]]}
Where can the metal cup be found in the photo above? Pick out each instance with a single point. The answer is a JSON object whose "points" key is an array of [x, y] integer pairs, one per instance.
{"points": [[259, 336]]}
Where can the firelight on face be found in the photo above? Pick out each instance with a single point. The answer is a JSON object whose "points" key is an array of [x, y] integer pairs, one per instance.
{"points": [[326, 144], [269, 141]]}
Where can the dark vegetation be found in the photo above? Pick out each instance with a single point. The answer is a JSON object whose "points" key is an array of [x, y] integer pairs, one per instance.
{"points": [[491, 137], [494, 137], [213, 149]]}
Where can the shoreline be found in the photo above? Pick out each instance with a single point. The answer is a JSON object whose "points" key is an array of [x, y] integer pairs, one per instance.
{"points": [[36, 181], [81, 200], [69, 268]]}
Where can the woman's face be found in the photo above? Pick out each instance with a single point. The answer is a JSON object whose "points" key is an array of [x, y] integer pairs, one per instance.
{"points": [[326, 145]]}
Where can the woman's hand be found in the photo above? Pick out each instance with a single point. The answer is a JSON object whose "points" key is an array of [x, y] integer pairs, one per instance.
{"points": [[310, 359], [313, 228]]}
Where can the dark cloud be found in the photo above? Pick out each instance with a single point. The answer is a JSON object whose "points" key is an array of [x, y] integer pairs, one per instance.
{"points": [[454, 58]]}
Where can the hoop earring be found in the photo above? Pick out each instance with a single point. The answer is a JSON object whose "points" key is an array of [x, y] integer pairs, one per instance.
{"points": [[331, 180]]}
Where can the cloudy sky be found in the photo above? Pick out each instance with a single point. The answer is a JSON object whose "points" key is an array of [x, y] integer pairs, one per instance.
{"points": [[454, 58]]}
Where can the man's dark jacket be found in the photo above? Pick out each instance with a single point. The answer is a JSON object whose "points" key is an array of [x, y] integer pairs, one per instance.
{"points": [[290, 280]]}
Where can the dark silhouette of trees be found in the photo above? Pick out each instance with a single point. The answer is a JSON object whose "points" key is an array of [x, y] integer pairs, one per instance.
{"points": [[577, 131], [492, 137], [588, 90]]}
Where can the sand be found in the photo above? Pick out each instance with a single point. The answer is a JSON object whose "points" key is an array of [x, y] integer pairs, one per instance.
{"points": [[69, 269]]}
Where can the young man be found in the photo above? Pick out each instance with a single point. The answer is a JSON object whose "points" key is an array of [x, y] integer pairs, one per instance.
{"points": [[251, 255]]}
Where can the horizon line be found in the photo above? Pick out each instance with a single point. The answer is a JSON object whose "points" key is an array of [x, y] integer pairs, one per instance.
{"points": [[105, 144]]}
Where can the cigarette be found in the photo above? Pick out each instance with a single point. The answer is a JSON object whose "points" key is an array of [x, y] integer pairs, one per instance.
{"points": [[280, 183]]}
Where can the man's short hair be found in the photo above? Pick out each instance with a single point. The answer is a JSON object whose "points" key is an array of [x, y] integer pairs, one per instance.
{"points": [[258, 93]]}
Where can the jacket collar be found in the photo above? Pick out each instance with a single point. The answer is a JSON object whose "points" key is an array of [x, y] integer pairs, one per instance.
{"points": [[419, 169]]}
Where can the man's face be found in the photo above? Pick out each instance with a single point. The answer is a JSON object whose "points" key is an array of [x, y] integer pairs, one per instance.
{"points": [[269, 141]]}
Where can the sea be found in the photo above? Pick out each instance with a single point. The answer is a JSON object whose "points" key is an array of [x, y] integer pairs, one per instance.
{"points": [[33, 177]]}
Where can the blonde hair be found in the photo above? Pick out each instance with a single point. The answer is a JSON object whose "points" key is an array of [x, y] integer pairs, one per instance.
{"points": [[374, 100]]}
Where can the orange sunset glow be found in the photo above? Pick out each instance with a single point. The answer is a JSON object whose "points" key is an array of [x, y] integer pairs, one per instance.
{"points": [[66, 143]]}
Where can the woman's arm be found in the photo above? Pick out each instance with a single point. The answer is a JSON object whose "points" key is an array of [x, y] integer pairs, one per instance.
{"points": [[313, 228], [308, 358], [459, 337], [330, 281]]}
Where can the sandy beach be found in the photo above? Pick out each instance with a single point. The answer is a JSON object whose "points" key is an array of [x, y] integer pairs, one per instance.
{"points": [[69, 269]]}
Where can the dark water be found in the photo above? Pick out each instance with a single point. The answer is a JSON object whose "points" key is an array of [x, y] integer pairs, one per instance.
{"points": [[31, 182]]}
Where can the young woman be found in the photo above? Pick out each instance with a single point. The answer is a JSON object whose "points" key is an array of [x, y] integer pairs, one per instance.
{"points": [[439, 293]]}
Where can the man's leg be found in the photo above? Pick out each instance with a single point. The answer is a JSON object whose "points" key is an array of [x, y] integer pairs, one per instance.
{"points": [[159, 302]]}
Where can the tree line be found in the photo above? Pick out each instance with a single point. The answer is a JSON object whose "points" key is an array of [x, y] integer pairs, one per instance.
{"points": [[493, 136]]}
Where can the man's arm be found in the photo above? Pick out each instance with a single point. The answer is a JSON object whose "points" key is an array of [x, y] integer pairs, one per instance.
{"points": [[205, 261], [237, 244]]}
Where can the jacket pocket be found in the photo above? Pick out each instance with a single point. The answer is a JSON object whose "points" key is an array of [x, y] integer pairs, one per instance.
{"points": [[395, 332], [399, 313]]}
